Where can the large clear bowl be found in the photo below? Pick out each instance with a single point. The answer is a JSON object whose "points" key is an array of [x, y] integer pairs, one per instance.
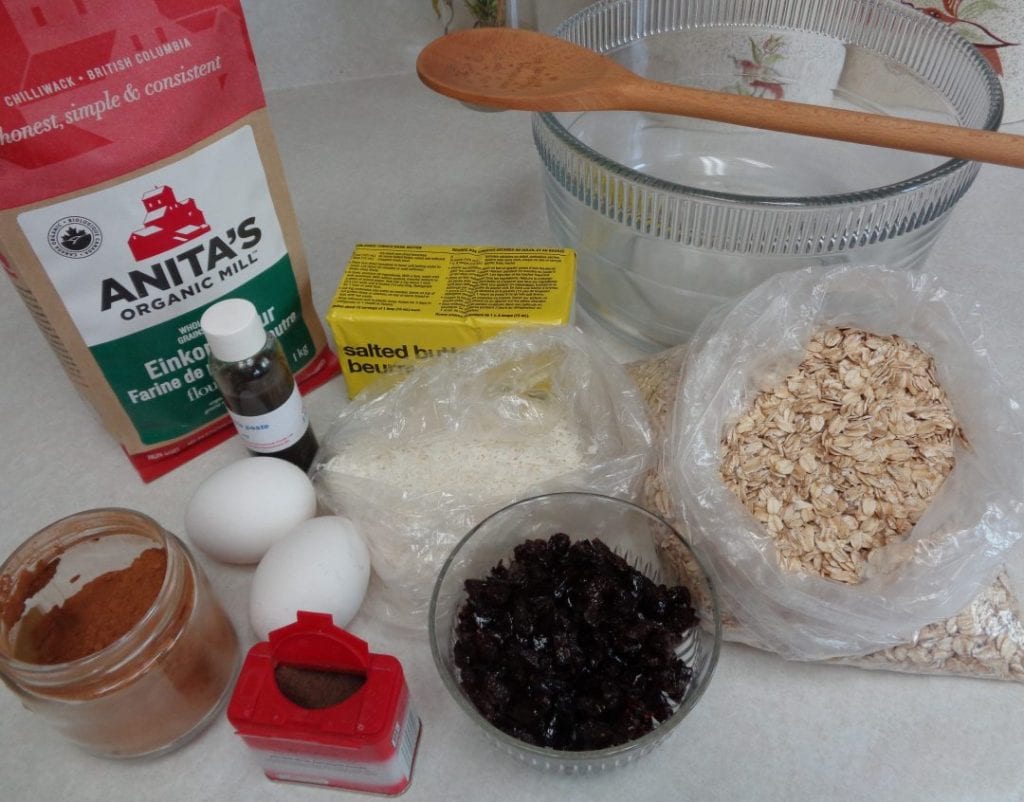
{"points": [[671, 216], [645, 540]]}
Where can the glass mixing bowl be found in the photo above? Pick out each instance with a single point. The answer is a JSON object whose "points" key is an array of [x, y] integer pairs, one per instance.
{"points": [[672, 216], [648, 544]]}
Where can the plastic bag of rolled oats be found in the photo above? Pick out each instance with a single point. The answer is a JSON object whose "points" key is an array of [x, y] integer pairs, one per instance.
{"points": [[982, 638]]}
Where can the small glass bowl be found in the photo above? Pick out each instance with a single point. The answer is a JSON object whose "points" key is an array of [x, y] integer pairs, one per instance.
{"points": [[646, 541], [671, 216]]}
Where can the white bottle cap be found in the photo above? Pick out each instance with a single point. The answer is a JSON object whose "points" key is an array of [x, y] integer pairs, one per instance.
{"points": [[233, 330]]}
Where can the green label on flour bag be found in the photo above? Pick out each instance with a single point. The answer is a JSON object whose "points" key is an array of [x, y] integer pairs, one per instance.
{"points": [[160, 375], [136, 264]]}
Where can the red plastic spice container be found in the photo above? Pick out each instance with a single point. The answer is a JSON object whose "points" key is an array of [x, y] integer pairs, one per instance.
{"points": [[316, 706]]}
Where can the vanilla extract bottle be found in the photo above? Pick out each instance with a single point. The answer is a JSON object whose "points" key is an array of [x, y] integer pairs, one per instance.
{"points": [[261, 394]]}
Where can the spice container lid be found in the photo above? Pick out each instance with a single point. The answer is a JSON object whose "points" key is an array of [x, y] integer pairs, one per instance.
{"points": [[233, 329], [259, 707]]}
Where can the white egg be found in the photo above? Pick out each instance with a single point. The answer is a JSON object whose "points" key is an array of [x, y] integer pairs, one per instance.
{"points": [[320, 566], [242, 509]]}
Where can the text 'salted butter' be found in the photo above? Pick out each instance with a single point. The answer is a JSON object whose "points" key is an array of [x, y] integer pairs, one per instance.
{"points": [[399, 304]]}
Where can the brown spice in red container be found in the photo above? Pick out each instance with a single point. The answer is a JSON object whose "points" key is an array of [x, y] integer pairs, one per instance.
{"points": [[315, 689]]}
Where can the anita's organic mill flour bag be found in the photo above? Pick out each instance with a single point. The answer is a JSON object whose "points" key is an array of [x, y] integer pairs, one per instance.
{"points": [[139, 184]]}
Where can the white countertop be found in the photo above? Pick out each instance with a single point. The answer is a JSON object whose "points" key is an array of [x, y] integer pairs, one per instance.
{"points": [[381, 159]]}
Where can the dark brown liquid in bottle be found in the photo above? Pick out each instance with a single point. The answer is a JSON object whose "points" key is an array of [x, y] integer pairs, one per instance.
{"points": [[260, 385]]}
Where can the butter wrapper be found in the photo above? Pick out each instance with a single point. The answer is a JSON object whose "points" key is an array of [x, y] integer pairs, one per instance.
{"points": [[399, 304]]}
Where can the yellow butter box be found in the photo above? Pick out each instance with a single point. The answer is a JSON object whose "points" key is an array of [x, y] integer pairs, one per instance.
{"points": [[399, 304]]}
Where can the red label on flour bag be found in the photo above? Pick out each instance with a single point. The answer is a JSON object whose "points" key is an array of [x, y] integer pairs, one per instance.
{"points": [[139, 184]]}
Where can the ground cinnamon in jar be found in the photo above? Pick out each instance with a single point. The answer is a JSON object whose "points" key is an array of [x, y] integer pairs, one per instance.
{"points": [[97, 615], [110, 631]]}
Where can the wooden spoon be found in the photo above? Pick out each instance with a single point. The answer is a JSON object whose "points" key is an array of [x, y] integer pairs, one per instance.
{"points": [[511, 68]]}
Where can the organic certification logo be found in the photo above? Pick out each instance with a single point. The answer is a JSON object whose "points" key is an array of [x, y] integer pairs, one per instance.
{"points": [[75, 237]]}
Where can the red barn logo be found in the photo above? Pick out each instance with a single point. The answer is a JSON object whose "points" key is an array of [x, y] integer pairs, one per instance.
{"points": [[168, 224]]}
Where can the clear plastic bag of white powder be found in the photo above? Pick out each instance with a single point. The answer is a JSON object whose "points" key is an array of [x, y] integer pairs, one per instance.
{"points": [[418, 464]]}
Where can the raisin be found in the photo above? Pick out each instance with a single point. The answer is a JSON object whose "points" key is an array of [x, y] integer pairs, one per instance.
{"points": [[570, 647]]}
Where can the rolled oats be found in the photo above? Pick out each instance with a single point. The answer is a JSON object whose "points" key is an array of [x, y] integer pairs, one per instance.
{"points": [[986, 639], [843, 455]]}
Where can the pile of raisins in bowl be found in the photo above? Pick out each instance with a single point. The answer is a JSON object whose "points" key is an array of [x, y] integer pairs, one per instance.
{"points": [[571, 648]]}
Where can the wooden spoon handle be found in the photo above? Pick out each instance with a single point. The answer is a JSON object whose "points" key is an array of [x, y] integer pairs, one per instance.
{"points": [[826, 122]]}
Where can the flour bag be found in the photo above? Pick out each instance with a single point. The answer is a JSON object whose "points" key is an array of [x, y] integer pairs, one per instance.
{"points": [[139, 184]]}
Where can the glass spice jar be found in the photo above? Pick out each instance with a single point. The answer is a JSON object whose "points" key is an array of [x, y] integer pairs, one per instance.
{"points": [[67, 593]]}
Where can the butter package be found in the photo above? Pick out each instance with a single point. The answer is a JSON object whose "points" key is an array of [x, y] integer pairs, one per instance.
{"points": [[399, 304]]}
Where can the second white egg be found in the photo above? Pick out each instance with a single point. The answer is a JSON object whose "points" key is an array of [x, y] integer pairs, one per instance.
{"points": [[321, 566]]}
